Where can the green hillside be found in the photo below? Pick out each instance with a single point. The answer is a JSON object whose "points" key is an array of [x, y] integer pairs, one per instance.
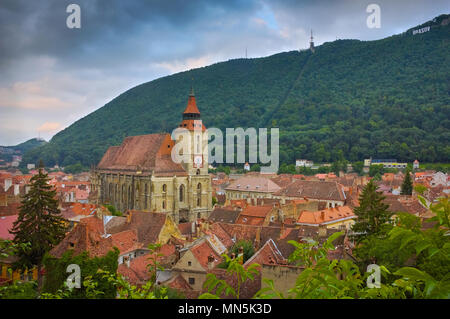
{"points": [[7, 152], [350, 99]]}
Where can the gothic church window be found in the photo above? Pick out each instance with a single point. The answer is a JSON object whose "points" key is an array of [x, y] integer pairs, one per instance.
{"points": [[181, 193]]}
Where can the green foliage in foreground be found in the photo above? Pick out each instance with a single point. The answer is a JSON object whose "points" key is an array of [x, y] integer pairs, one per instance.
{"points": [[414, 264], [57, 274]]}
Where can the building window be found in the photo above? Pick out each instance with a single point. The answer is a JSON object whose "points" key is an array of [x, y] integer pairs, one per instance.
{"points": [[198, 144], [199, 194], [191, 281], [145, 195], [164, 188], [164, 204], [182, 193], [189, 263]]}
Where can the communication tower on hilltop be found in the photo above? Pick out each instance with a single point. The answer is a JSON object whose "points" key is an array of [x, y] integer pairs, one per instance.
{"points": [[311, 43]]}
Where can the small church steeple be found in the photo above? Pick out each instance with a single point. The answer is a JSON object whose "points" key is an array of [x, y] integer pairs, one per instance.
{"points": [[191, 111], [311, 43]]}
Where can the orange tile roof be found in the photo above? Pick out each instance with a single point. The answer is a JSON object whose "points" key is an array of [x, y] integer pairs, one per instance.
{"points": [[326, 215], [256, 211], [191, 108]]}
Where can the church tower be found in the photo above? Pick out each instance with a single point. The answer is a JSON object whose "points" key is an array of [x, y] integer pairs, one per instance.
{"points": [[196, 161]]}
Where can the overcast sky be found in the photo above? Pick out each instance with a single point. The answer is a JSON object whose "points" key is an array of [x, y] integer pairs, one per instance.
{"points": [[51, 76]]}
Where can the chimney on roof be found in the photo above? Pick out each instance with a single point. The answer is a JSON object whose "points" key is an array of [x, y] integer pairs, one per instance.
{"points": [[241, 255], [210, 261], [197, 233], [322, 231], [177, 253], [126, 259]]}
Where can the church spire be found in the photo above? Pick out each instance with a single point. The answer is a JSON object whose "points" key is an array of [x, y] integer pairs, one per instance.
{"points": [[191, 111], [192, 90]]}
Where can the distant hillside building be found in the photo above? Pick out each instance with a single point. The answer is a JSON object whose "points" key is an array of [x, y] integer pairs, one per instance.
{"points": [[387, 163], [140, 173], [303, 163]]}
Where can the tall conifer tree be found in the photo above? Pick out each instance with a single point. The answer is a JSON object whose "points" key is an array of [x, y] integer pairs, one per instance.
{"points": [[372, 213], [407, 185], [39, 223]]}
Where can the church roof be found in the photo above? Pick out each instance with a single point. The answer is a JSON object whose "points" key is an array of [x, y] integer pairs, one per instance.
{"points": [[144, 153]]}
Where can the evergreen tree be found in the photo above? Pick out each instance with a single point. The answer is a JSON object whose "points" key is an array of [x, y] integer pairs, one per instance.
{"points": [[372, 213], [407, 185], [39, 223]]}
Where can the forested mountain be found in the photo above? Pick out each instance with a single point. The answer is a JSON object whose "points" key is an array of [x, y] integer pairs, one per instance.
{"points": [[350, 99], [7, 152]]}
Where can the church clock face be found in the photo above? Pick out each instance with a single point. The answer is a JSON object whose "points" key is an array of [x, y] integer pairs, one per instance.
{"points": [[198, 161]]}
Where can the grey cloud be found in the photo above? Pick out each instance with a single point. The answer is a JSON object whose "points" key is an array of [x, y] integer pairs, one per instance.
{"points": [[125, 43]]}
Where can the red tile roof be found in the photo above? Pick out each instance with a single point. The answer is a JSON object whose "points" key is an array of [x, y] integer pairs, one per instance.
{"points": [[143, 152], [137, 274], [221, 234], [254, 184], [85, 236], [313, 189], [202, 251], [126, 241], [268, 254], [6, 224]]}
